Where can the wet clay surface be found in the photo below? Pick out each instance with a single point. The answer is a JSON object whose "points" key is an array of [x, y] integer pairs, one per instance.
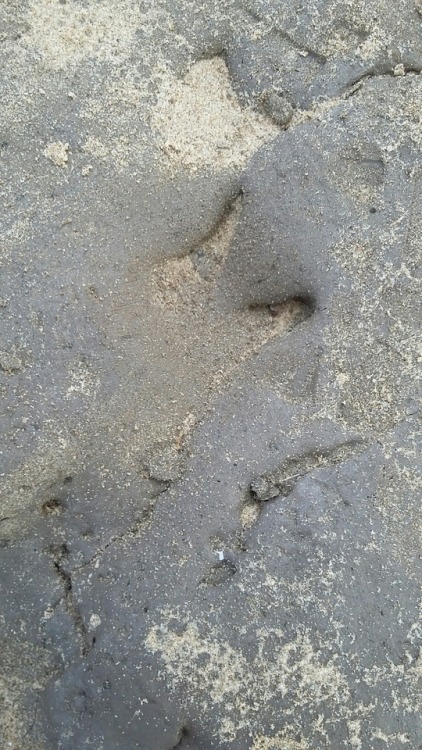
{"points": [[210, 357]]}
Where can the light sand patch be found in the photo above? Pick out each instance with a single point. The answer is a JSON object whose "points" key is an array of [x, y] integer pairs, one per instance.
{"points": [[82, 381], [249, 514], [207, 667], [277, 742], [200, 123], [25, 671], [58, 153], [67, 34]]}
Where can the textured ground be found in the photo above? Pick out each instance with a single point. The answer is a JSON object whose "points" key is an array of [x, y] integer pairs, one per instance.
{"points": [[210, 358]]}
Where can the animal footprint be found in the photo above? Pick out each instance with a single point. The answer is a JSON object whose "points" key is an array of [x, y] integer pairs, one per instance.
{"points": [[182, 343], [186, 287]]}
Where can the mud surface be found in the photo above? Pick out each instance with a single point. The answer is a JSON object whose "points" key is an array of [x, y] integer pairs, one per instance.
{"points": [[210, 357]]}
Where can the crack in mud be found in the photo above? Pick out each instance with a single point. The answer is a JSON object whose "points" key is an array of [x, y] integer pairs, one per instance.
{"points": [[59, 554], [134, 531]]}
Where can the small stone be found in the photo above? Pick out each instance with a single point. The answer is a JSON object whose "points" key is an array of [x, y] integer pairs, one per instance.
{"points": [[263, 489], [57, 152], [278, 107], [399, 70], [94, 621], [9, 362]]}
